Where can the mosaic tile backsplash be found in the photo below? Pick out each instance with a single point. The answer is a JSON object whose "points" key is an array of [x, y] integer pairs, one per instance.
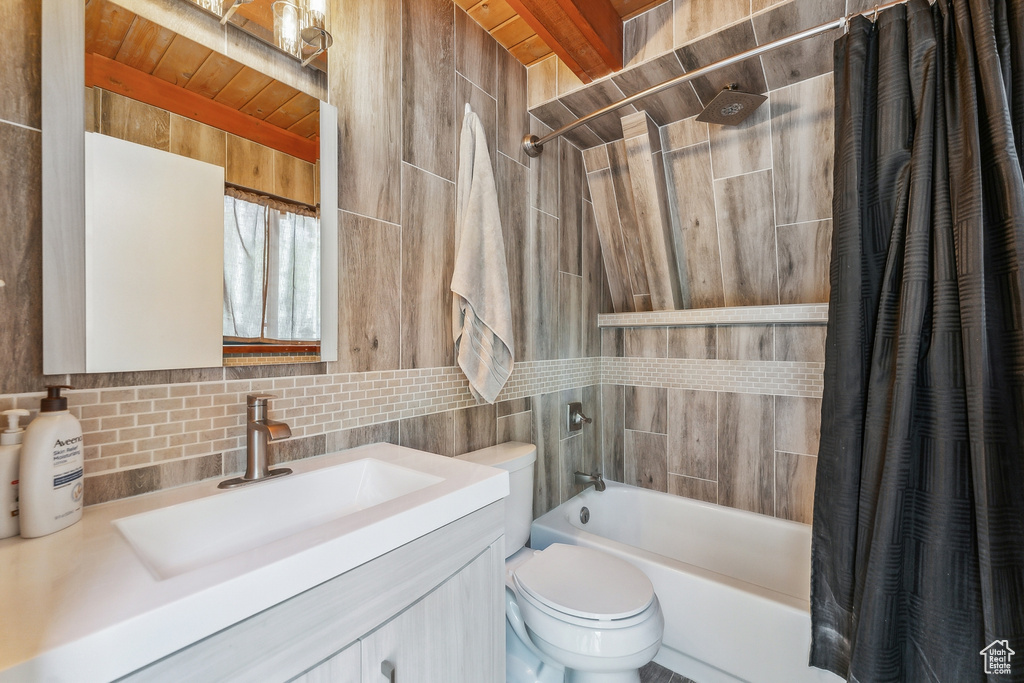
{"points": [[144, 438], [134, 426]]}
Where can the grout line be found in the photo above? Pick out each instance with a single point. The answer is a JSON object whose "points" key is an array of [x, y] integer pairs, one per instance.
{"points": [[21, 125], [813, 220], [410, 165], [718, 448], [718, 223], [371, 218], [473, 84], [687, 476], [401, 218], [775, 208], [802, 455], [623, 433], [775, 464], [643, 431], [526, 166], [740, 175]]}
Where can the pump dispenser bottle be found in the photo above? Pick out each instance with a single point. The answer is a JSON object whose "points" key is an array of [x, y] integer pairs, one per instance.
{"points": [[10, 458], [52, 464]]}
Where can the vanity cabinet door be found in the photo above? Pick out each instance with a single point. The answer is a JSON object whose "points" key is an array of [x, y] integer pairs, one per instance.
{"points": [[454, 634], [340, 668]]}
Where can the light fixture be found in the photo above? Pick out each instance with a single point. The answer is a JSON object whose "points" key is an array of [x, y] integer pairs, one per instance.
{"points": [[318, 37], [316, 13], [312, 30], [300, 26], [288, 21]]}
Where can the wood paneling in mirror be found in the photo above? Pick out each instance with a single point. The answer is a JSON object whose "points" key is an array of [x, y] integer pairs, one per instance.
{"points": [[134, 57]]}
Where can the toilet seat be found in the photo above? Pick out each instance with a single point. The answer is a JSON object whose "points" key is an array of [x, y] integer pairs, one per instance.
{"points": [[582, 585]]}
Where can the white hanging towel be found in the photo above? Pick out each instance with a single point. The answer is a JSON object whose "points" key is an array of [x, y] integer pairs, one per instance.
{"points": [[481, 307]]}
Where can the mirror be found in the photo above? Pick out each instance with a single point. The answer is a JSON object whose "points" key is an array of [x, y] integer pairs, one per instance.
{"points": [[153, 81]]}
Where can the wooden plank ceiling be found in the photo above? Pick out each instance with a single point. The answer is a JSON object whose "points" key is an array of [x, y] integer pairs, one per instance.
{"points": [[137, 58], [584, 33]]}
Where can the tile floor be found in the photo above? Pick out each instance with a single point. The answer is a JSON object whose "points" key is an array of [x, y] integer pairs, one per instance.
{"points": [[655, 673]]}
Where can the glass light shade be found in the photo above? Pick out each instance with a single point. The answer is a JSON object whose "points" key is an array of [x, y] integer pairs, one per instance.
{"points": [[316, 13], [214, 6], [288, 18]]}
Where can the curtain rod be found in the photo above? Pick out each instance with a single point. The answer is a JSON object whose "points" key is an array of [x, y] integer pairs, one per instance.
{"points": [[534, 145], [315, 208]]}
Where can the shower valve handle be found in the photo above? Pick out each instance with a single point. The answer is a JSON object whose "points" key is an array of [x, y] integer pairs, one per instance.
{"points": [[575, 419]]}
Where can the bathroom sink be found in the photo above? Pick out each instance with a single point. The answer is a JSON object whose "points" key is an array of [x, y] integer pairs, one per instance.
{"points": [[155, 573], [179, 538]]}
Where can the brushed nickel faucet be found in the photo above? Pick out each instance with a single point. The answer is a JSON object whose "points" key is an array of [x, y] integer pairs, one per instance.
{"points": [[258, 433]]}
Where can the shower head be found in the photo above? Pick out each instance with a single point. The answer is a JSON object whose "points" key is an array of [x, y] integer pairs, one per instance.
{"points": [[731, 106]]}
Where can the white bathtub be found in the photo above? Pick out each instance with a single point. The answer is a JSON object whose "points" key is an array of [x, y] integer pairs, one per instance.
{"points": [[733, 585]]}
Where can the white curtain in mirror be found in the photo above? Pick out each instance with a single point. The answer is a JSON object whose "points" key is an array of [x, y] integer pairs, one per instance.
{"points": [[245, 253], [271, 272], [293, 277]]}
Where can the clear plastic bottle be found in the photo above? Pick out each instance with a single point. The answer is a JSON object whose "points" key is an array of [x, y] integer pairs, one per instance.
{"points": [[52, 474]]}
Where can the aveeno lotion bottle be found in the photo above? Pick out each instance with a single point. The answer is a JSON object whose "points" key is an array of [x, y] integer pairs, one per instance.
{"points": [[52, 477]]}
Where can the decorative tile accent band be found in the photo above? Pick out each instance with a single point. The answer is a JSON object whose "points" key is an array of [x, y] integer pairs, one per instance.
{"points": [[138, 426], [776, 378], [811, 314]]}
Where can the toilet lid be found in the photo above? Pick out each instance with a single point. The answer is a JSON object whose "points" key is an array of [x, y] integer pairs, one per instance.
{"points": [[585, 583]]}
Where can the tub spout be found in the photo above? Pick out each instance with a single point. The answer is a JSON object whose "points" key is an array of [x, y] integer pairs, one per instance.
{"points": [[586, 480]]}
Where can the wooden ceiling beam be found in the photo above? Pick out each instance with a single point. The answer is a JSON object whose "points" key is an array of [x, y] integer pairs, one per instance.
{"points": [[585, 34]]}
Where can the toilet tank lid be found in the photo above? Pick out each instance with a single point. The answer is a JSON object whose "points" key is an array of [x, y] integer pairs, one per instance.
{"points": [[511, 456]]}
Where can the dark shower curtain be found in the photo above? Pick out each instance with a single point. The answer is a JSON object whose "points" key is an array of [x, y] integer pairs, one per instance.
{"points": [[918, 551]]}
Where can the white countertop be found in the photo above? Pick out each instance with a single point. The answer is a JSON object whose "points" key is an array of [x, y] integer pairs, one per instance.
{"points": [[79, 605]]}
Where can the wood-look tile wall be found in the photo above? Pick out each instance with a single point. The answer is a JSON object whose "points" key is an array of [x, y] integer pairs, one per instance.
{"points": [[755, 452], [400, 81], [749, 207], [681, 36], [552, 250]]}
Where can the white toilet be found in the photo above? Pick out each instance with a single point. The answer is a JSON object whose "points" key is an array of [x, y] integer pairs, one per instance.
{"points": [[573, 614]]}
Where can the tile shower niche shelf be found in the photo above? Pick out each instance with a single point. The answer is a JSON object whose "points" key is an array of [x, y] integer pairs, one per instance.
{"points": [[790, 314]]}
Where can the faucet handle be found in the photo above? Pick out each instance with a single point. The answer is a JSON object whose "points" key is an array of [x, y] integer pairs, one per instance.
{"points": [[574, 417], [254, 400]]}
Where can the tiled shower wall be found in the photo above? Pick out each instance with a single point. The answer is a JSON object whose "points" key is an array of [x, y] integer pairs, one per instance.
{"points": [[749, 205], [727, 414]]}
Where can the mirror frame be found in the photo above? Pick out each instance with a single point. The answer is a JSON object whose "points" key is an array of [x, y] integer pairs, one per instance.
{"points": [[63, 165]]}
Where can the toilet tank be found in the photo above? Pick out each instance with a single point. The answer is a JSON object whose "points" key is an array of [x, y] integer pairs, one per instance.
{"points": [[518, 460]]}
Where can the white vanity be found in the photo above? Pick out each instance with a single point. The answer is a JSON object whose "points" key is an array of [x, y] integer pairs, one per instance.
{"points": [[405, 578]]}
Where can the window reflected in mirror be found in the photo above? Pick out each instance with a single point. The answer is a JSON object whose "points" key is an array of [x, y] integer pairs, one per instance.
{"points": [[271, 274]]}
